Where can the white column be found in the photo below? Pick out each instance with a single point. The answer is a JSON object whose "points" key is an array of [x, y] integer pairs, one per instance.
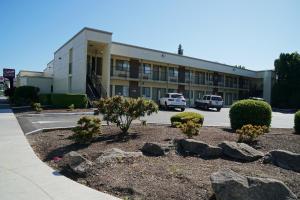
{"points": [[106, 69]]}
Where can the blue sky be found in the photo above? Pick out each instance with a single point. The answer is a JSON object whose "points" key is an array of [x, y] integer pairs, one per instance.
{"points": [[251, 33]]}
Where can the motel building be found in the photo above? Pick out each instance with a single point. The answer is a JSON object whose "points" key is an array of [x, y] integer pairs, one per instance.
{"points": [[90, 62]]}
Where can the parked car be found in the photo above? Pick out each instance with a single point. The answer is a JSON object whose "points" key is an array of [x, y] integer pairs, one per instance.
{"points": [[172, 100], [210, 101]]}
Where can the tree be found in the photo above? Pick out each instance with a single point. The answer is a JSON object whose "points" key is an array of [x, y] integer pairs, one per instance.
{"points": [[123, 110], [286, 90]]}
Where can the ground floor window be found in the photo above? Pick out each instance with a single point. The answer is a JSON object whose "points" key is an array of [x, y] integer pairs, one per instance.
{"points": [[146, 92], [122, 90], [199, 94], [188, 94], [157, 93]]}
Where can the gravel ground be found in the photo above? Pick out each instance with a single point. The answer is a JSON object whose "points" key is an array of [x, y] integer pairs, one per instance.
{"points": [[169, 177]]}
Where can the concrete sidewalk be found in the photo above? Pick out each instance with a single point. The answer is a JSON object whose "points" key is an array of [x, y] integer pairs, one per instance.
{"points": [[24, 176]]}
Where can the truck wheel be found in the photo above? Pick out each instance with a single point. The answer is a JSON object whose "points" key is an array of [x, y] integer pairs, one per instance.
{"points": [[182, 109], [218, 109]]}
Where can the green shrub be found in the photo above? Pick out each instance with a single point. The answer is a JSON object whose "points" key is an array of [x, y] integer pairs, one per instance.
{"points": [[45, 99], [190, 128], [248, 133], [122, 110], [37, 107], [186, 116], [250, 112], [297, 122], [64, 100], [25, 95], [87, 128]]}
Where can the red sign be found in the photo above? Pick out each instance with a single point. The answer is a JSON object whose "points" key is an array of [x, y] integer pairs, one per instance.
{"points": [[8, 73]]}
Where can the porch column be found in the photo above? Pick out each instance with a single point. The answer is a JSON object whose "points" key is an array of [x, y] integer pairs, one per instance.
{"points": [[106, 69]]}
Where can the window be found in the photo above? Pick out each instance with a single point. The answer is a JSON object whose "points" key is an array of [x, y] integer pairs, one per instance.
{"points": [[122, 65], [70, 60], [187, 75], [173, 72], [216, 98], [176, 96], [146, 92], [122, 90], [146, 68], [99, 66], [172, 90], [155, 72], [163, 73], [199, 94], [188, 94]]}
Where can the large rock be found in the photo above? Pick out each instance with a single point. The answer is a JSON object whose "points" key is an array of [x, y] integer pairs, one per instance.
{"points": [[115, 154], [195, 147], [77, 162], [155, 149], [284, 159], [240, 151], [228, 185]]}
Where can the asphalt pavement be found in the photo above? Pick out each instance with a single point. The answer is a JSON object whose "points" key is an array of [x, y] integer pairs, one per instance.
{"points": [[32, 122]]}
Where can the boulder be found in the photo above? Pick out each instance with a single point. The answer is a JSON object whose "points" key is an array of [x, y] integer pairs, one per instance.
{"points": [[240, 151], [228, 185], [77, 162], [284, 159], [199, 148], [115, 154], [155, 149]]}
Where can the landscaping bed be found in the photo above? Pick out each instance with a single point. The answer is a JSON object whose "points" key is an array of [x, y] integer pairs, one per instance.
{"points": [[165, 177]]}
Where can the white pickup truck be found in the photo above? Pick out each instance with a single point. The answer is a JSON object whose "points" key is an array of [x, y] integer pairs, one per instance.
{"points": [[210, 101], [172, 100]]}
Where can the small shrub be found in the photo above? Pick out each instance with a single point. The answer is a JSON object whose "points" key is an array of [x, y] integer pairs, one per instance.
{"points": [[122, 110], [250, 112], [190, 128], [64, 100], [248, 133], [45, 99], [71, 107], [186, 116], [37, 107], [87, 128], [297, 122], [25, 95]]}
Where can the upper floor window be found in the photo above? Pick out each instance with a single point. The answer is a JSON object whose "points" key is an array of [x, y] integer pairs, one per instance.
{"points": [[146, 68], [173, 72], [122, 65]]}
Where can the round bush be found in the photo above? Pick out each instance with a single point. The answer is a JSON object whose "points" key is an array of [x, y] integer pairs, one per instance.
{"points": [[250, 112], [297, 122], [184, 116]]}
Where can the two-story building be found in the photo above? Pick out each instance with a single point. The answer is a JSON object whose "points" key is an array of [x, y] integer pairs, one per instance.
{"points": [[90, 62]]}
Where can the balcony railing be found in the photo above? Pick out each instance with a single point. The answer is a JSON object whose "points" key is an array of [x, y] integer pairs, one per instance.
{"points": [[167, 77]]}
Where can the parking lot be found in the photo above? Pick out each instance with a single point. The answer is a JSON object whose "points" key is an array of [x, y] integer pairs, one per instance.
{"points": [[31, 122]]}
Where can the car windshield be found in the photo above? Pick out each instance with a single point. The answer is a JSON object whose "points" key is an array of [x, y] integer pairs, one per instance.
{"points": [[216, 98], [176, 96]]}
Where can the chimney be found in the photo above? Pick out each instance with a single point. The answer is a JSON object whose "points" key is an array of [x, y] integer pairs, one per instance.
{"points": [[180, 50]]}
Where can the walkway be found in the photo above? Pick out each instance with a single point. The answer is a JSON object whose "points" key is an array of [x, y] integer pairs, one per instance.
{"points": [[25, 176]]}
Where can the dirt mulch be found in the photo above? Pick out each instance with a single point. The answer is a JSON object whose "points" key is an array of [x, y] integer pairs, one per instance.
{"points": [[168, 177]]}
